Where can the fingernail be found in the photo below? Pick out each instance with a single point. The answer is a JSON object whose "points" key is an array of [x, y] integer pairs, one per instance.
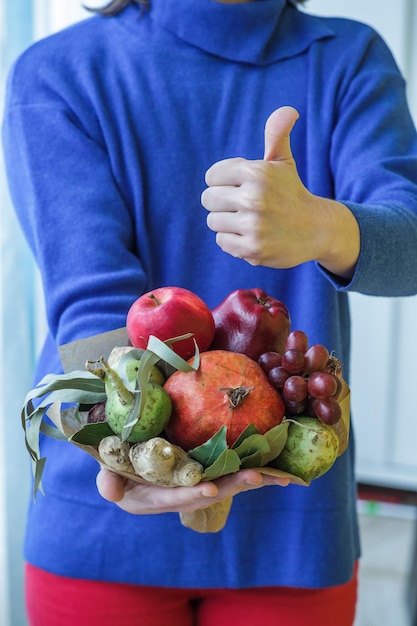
{"points": [[257, 481]]}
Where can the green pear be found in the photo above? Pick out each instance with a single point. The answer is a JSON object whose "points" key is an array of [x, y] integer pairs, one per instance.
{"points": [[310, 450], [152, 419]]}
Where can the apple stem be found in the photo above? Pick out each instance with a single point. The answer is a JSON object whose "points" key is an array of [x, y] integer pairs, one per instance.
{"points": [[154, 298]]}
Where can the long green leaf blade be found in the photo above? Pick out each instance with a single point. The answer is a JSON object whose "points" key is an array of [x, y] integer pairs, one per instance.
{"points": [[165, 353]]}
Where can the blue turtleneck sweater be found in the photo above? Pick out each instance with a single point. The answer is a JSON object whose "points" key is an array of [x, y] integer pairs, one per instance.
{"points": [[110, 126]]}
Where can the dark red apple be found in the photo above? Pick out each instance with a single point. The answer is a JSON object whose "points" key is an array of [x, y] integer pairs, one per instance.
{"points": [[169, 312], [251, 322]]}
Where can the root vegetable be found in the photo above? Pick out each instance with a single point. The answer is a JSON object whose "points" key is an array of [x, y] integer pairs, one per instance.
{"points": [[115, 453], [160, 462]]}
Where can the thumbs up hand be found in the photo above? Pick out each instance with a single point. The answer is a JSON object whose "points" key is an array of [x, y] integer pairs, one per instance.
{"points": [[278, 128], [262, 212]]}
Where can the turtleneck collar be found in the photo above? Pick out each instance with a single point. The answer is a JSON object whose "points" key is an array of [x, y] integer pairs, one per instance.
{"points": [[252, 32]]}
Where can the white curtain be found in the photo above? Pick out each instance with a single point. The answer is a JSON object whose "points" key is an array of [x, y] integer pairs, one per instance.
{"points": [[22, 324], [17, 347]]}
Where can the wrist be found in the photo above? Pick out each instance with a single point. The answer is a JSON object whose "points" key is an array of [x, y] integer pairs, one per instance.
{"points": [[339, 240]]}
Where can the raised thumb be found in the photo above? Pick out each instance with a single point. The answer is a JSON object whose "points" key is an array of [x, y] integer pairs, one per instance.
{"points": [[278, 128]]}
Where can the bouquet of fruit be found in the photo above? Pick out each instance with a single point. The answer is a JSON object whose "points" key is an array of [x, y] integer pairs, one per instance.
{"points": [[184, 394]]}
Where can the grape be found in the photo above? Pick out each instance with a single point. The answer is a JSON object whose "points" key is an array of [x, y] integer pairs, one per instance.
{"points": [[277, 376], [293, 361], [97, 413], [327, 410], [310, 406], [294, 407], [297, 340], [268, 360], [295, 389], [315, 359], [322, 385]]}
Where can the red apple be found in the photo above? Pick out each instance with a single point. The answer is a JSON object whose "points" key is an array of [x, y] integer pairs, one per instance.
{"points": [[251, 322], [169, 312]]}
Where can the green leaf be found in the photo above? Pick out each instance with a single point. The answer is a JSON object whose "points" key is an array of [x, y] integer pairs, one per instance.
{"points": [[77, 380], [120, 368], [277, 438], [74, 396], [32, 434], [52, 431], [227, 463], [208, 452], [249, 430], [164, 352], [133, 415], [252, 444], [37, 470], [74, 387], [253, 460], [92, 434]]}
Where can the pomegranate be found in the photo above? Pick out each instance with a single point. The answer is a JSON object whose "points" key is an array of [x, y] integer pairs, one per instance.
{"points": [[229, 389]]}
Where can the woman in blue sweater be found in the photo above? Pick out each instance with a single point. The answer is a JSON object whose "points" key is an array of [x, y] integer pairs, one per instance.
{"points": [[212, 145]]}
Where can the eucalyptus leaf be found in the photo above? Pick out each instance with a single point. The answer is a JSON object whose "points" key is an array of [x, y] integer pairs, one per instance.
{"points": [[52, 431], [208, 452], [73, 387], [77, 380], [32, 433], [133, 416], [120, 367], [74, 396], [146, 363], [37, 470], [164, 352], [92, 434], [227, 463]]}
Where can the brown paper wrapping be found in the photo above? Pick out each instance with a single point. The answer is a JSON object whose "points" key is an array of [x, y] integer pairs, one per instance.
{"points": [[212, 518]]}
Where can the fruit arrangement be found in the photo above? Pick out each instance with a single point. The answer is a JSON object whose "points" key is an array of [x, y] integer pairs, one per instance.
{"points": [[198, 394]]}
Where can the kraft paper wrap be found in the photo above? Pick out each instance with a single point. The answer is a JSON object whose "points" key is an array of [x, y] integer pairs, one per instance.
{"points": [[212, 518]]}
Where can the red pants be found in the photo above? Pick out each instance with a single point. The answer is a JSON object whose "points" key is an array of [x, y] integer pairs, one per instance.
{"points": [[58, 601]]}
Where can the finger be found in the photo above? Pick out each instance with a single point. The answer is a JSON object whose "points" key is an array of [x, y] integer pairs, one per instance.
{"points": [[153, 499], [278, 128], [110, 486], [245, 480], [218, 199], [276, 480], [224, 222], [226, 172], [233, 244]]}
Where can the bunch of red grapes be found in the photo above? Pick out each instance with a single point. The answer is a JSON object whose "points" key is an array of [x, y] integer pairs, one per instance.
{"points": [[305, 377]]}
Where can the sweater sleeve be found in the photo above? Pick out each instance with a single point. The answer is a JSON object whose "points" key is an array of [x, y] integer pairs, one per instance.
{"points": [[374, 163], [73, 214]]}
